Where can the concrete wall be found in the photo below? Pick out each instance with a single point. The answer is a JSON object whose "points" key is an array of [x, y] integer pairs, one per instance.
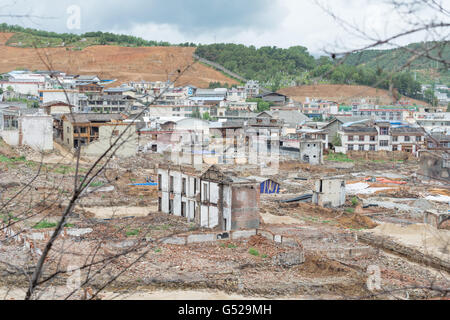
{"points": [[23, 88], [433, 165], [11, 137], [329, 193], [106, 139], [38, 132], [245, 207], [311, 150]]}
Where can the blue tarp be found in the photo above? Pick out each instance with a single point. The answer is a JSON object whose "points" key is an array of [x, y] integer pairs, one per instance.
{"points": [[270, 187], [149, 184]]}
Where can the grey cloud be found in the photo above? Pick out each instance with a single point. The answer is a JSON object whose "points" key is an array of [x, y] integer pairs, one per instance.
{"points": [[189, 16]]}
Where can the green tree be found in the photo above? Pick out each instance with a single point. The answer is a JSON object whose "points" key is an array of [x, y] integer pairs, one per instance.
{"points": [[206, 116], [196, 113], [430, 97], [337, 142], [262, 105]]}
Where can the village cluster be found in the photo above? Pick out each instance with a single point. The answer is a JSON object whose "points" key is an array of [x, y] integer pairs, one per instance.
{"points": [[294, 184]]}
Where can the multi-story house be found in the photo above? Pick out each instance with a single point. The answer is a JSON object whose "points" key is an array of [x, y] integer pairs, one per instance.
{"points": [[438, 141], [97, 132], [252, 88], [238, 94], [359, 138], [381, 136], [320, 108], [106, 103], [434, 122]]}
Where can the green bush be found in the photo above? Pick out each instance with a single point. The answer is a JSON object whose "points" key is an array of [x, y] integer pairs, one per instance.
{"points": [[44, 224], [253, 252], [134, 232]]}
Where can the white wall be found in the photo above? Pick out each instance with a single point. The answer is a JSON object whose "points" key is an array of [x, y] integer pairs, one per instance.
{"points": [[38, 132], [11, 137]]}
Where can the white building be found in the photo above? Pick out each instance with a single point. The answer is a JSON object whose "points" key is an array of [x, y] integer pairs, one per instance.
{"points": [[434, 122]]}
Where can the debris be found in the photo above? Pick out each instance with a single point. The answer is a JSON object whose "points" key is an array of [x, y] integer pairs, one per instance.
{"points": [[305, 197], [439, 198]]}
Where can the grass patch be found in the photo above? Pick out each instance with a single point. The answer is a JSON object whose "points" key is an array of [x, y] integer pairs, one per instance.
{"points": [[350, 210], [355, 201], [64, 170], [338, 157], [8, 217], [253, 252], [134, 232], [5, 159], [93, 184], [45, 225]]}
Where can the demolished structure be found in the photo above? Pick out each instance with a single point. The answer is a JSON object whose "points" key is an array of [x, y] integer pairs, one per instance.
{"points": [[212, 199], [329, 192]]}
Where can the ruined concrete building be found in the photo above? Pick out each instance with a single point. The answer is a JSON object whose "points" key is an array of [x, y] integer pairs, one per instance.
{"points": [[329, 192], [311, 151], [212, 199]]}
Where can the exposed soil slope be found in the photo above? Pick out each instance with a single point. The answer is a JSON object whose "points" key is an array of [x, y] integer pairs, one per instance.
{"points": [[342, 93], [113, 62]]}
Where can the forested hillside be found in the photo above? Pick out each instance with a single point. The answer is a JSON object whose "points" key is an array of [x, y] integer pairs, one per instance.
{"points": [[425, 69], [277, 68]]}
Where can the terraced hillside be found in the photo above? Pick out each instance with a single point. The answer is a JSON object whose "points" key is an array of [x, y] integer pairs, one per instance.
{"points": [[121, 63]]}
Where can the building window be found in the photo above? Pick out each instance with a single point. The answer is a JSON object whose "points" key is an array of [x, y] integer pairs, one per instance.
{"points": [[372, 138], [115, 133], [394, 148], [418, 138], [205, 192], [395, 138], [361, 138], [159, 182], [384, 131], [372, 147], [350, 147], [407, 138], [184, 185], [350, 138], [361, 147], [171, 184], [183, 209], [384, 143]]}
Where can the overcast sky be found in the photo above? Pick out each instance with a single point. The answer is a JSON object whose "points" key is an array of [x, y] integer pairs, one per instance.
{"points": [[281, 23]]}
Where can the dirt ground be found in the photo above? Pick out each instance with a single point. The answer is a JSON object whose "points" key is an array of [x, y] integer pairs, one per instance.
{"points": [[341, 93], [336, 261], [113, 62]]}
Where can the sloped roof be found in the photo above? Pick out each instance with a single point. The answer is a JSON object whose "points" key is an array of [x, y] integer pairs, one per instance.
{"points": [[406, 130], [291, 117], [360, 129], [352, 119], [92, 117]]}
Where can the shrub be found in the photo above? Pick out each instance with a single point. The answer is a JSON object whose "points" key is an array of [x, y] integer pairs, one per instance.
{"points": [[44, 224], [253, 252], [350, 210], [133, 232]]}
